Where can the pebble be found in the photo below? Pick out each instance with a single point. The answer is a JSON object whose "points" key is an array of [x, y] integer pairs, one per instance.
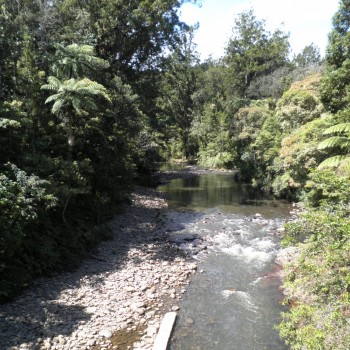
{"points": [[126, 286], [105, 333]]}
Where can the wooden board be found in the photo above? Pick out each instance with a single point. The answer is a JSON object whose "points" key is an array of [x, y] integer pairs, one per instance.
{"points": [[166, 327]]}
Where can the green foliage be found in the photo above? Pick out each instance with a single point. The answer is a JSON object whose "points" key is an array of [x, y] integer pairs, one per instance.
{"points": [[21, 198], [296, 108], [318, 281], [310, 54], [341, 142], [102, 62], [74, 60], [328, 186], [335, 83], [24, 200], [252, 51], [299, 155], [216, 145], [178, 85]]}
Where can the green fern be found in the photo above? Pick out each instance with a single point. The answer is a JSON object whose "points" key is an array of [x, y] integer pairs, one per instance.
{"points": [[341, 141], [339, 128], [334, 161], [334, 141], [74, 95], [73, 60]]}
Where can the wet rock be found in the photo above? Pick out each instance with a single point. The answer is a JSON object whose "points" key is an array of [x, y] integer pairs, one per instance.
{"points": [[182, 237]]}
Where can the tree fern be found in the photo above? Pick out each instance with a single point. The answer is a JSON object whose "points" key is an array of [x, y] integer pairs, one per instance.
{"points": [[334, 161], [72, 60], [78, 96], [335, 141], [339, 128], [341, 141]]}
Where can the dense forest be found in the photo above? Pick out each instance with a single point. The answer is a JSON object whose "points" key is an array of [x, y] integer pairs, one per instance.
{"points": [[94, 92]]}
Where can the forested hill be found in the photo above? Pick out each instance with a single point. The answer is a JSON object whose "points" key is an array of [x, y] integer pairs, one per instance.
{"points": [[93, 92]]}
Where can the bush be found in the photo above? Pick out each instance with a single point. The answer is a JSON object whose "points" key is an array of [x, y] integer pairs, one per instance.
{"points": [[318, 281], [23, 201]]}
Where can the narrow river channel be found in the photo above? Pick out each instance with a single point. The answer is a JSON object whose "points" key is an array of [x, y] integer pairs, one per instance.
{"points": [[233, 302]]}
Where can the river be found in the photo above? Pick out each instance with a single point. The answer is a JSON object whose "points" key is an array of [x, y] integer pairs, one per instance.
{"points": [[234, 301]]}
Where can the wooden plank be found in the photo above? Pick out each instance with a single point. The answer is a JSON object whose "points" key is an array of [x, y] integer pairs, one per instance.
{"points": [[166, 327]]}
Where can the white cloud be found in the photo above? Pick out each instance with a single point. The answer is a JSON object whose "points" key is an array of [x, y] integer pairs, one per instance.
{"points": [[307, 21]]}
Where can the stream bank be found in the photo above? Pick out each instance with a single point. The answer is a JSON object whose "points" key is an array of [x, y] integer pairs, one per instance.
{"points": [[115, 299]]}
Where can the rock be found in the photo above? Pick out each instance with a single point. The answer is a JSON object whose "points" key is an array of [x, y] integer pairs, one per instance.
{"points": [[91, 309], [105, 333], [152, 330], [182, 237], [106, 298], [91, 342], [192, 266], [175, 308], [188, 321], [150, 314]]}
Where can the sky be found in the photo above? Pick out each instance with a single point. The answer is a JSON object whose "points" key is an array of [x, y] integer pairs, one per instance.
{"points": [[307, 21]]}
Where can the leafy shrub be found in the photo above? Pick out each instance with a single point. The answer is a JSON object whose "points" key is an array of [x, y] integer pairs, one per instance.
{"points": [[299, 154], [23, 200], [328, 186], [318, 281]]}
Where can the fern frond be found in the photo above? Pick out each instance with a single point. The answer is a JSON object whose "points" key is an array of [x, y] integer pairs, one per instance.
{"points": [[334, 141], [52, 98], [57, 106], [334, 161], [48, 87], [76, 102], [54, 82], [339, 128]]}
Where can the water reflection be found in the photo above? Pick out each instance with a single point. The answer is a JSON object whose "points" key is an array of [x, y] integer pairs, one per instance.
{"points": [[220, 191]]}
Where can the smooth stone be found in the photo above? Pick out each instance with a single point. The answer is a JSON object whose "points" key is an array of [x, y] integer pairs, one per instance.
{"points": [[105, 333]]}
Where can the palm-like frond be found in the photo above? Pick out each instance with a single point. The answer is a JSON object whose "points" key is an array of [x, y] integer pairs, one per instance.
{"points": [[52, 98], [334, 141], [340, 140], [88, 87], [79, 94], [53, 84], [339, 128], [57, 106], [72, 59], [77, 105], [334, 161]]}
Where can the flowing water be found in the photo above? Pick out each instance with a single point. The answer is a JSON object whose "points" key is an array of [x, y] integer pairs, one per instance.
{"points": [[233, 302]]}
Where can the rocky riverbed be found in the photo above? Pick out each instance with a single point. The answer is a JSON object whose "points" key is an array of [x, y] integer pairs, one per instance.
{"points": [[117, 298]]}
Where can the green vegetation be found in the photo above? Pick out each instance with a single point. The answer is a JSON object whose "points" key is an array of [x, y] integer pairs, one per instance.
{"points": [[79, 91], [317, 281], [92, 93]]}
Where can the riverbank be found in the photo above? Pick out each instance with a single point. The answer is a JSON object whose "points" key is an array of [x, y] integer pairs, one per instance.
{"points": [[116, 299]]}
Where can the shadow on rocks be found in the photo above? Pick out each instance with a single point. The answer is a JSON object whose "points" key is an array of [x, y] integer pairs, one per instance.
{"points": [[56, 307]]}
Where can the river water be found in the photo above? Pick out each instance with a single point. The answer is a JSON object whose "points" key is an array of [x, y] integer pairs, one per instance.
{"points": [[234, 301]]}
